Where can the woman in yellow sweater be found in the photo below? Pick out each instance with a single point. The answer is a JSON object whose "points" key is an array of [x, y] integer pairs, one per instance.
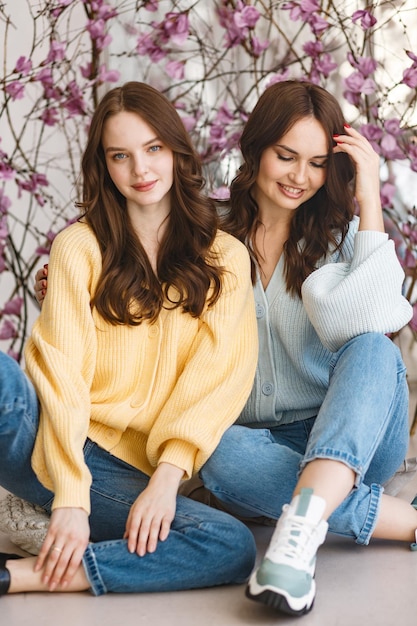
{"points": [[143, 355]]}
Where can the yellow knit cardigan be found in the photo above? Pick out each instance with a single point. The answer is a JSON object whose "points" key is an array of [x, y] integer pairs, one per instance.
{"points": [[162, 392]]}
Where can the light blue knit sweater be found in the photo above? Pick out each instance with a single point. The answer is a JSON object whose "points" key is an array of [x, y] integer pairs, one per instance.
{"points": [[354, 291]]}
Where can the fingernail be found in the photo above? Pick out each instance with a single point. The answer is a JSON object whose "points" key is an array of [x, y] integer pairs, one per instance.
{"points": [[336, 135], [346, 125]]}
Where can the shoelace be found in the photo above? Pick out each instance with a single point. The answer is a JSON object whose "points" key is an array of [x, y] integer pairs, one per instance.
{"points": [[293, 539]]}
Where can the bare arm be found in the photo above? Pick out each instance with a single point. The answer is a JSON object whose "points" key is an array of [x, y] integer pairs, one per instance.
{"points": [[367, 185]]}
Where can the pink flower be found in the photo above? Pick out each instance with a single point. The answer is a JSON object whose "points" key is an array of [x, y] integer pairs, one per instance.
{"points": [[45, 77], [189, 122], [31, 185], [392, 126], [176, 27], [151, 5], [147, 46], [8, 330], [247, 17], [5, 202], [6, 171], [105, 11], [307, 11], [56, 12], [16, 90], [412, 56], [372, 132], [278, 78], [237, 23], [4, 229], [175, 69], [50, 116], [313, 48], [358, 84], [318, 24], [258, 46], [74, 101], [390, 148], [294, 9], [352, 98], [23, 66], [387, 195], [13, 307], [309, 6], [365, 65], [45, 250], [410, 77], [86, 70], [96, 28], [224, 115], [56, 52], [325, 65], [108, 76], [366, 18]]}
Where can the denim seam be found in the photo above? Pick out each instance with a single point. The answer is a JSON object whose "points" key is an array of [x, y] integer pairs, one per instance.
{"points": [[368, 528], [335, 455], [97, 585]]}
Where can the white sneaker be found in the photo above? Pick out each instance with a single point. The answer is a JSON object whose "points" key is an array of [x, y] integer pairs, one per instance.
{"points": [[285, 578]]}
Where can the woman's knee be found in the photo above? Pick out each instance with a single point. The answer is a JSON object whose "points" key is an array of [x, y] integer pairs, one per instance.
{"points": [[378, 344], [235, 450], [238, 549], [374, 354]]}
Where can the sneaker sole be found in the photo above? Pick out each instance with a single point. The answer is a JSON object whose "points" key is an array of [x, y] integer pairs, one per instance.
{"points": [[277, 601]]}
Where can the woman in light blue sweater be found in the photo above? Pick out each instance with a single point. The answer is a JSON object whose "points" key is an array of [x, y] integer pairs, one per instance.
{"points": [[326, 424]]}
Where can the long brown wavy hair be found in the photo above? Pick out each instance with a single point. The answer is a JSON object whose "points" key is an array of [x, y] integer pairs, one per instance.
{"points": [[129, 291], [321, 222]]}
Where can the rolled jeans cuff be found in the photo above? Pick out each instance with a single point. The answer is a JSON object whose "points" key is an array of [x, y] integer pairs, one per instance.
{"points": [[335, 455], [366, 532], [97, 586]]}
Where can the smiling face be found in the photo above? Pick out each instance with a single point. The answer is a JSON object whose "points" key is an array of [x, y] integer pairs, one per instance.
{"points": [[140, 165], [293, 169]]}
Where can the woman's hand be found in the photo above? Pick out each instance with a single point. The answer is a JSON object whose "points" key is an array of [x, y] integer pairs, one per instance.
{"points": [[367, 184], [41, 282], [65, 543], [151, 514]]}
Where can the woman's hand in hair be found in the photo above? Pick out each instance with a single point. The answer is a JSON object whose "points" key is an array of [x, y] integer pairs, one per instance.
{"points": [[367, 186], [152, 513], [41, 284]]}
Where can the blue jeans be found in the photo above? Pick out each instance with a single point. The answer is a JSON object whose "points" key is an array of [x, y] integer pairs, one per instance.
{"points": [[363, 422], [205, 547]]}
